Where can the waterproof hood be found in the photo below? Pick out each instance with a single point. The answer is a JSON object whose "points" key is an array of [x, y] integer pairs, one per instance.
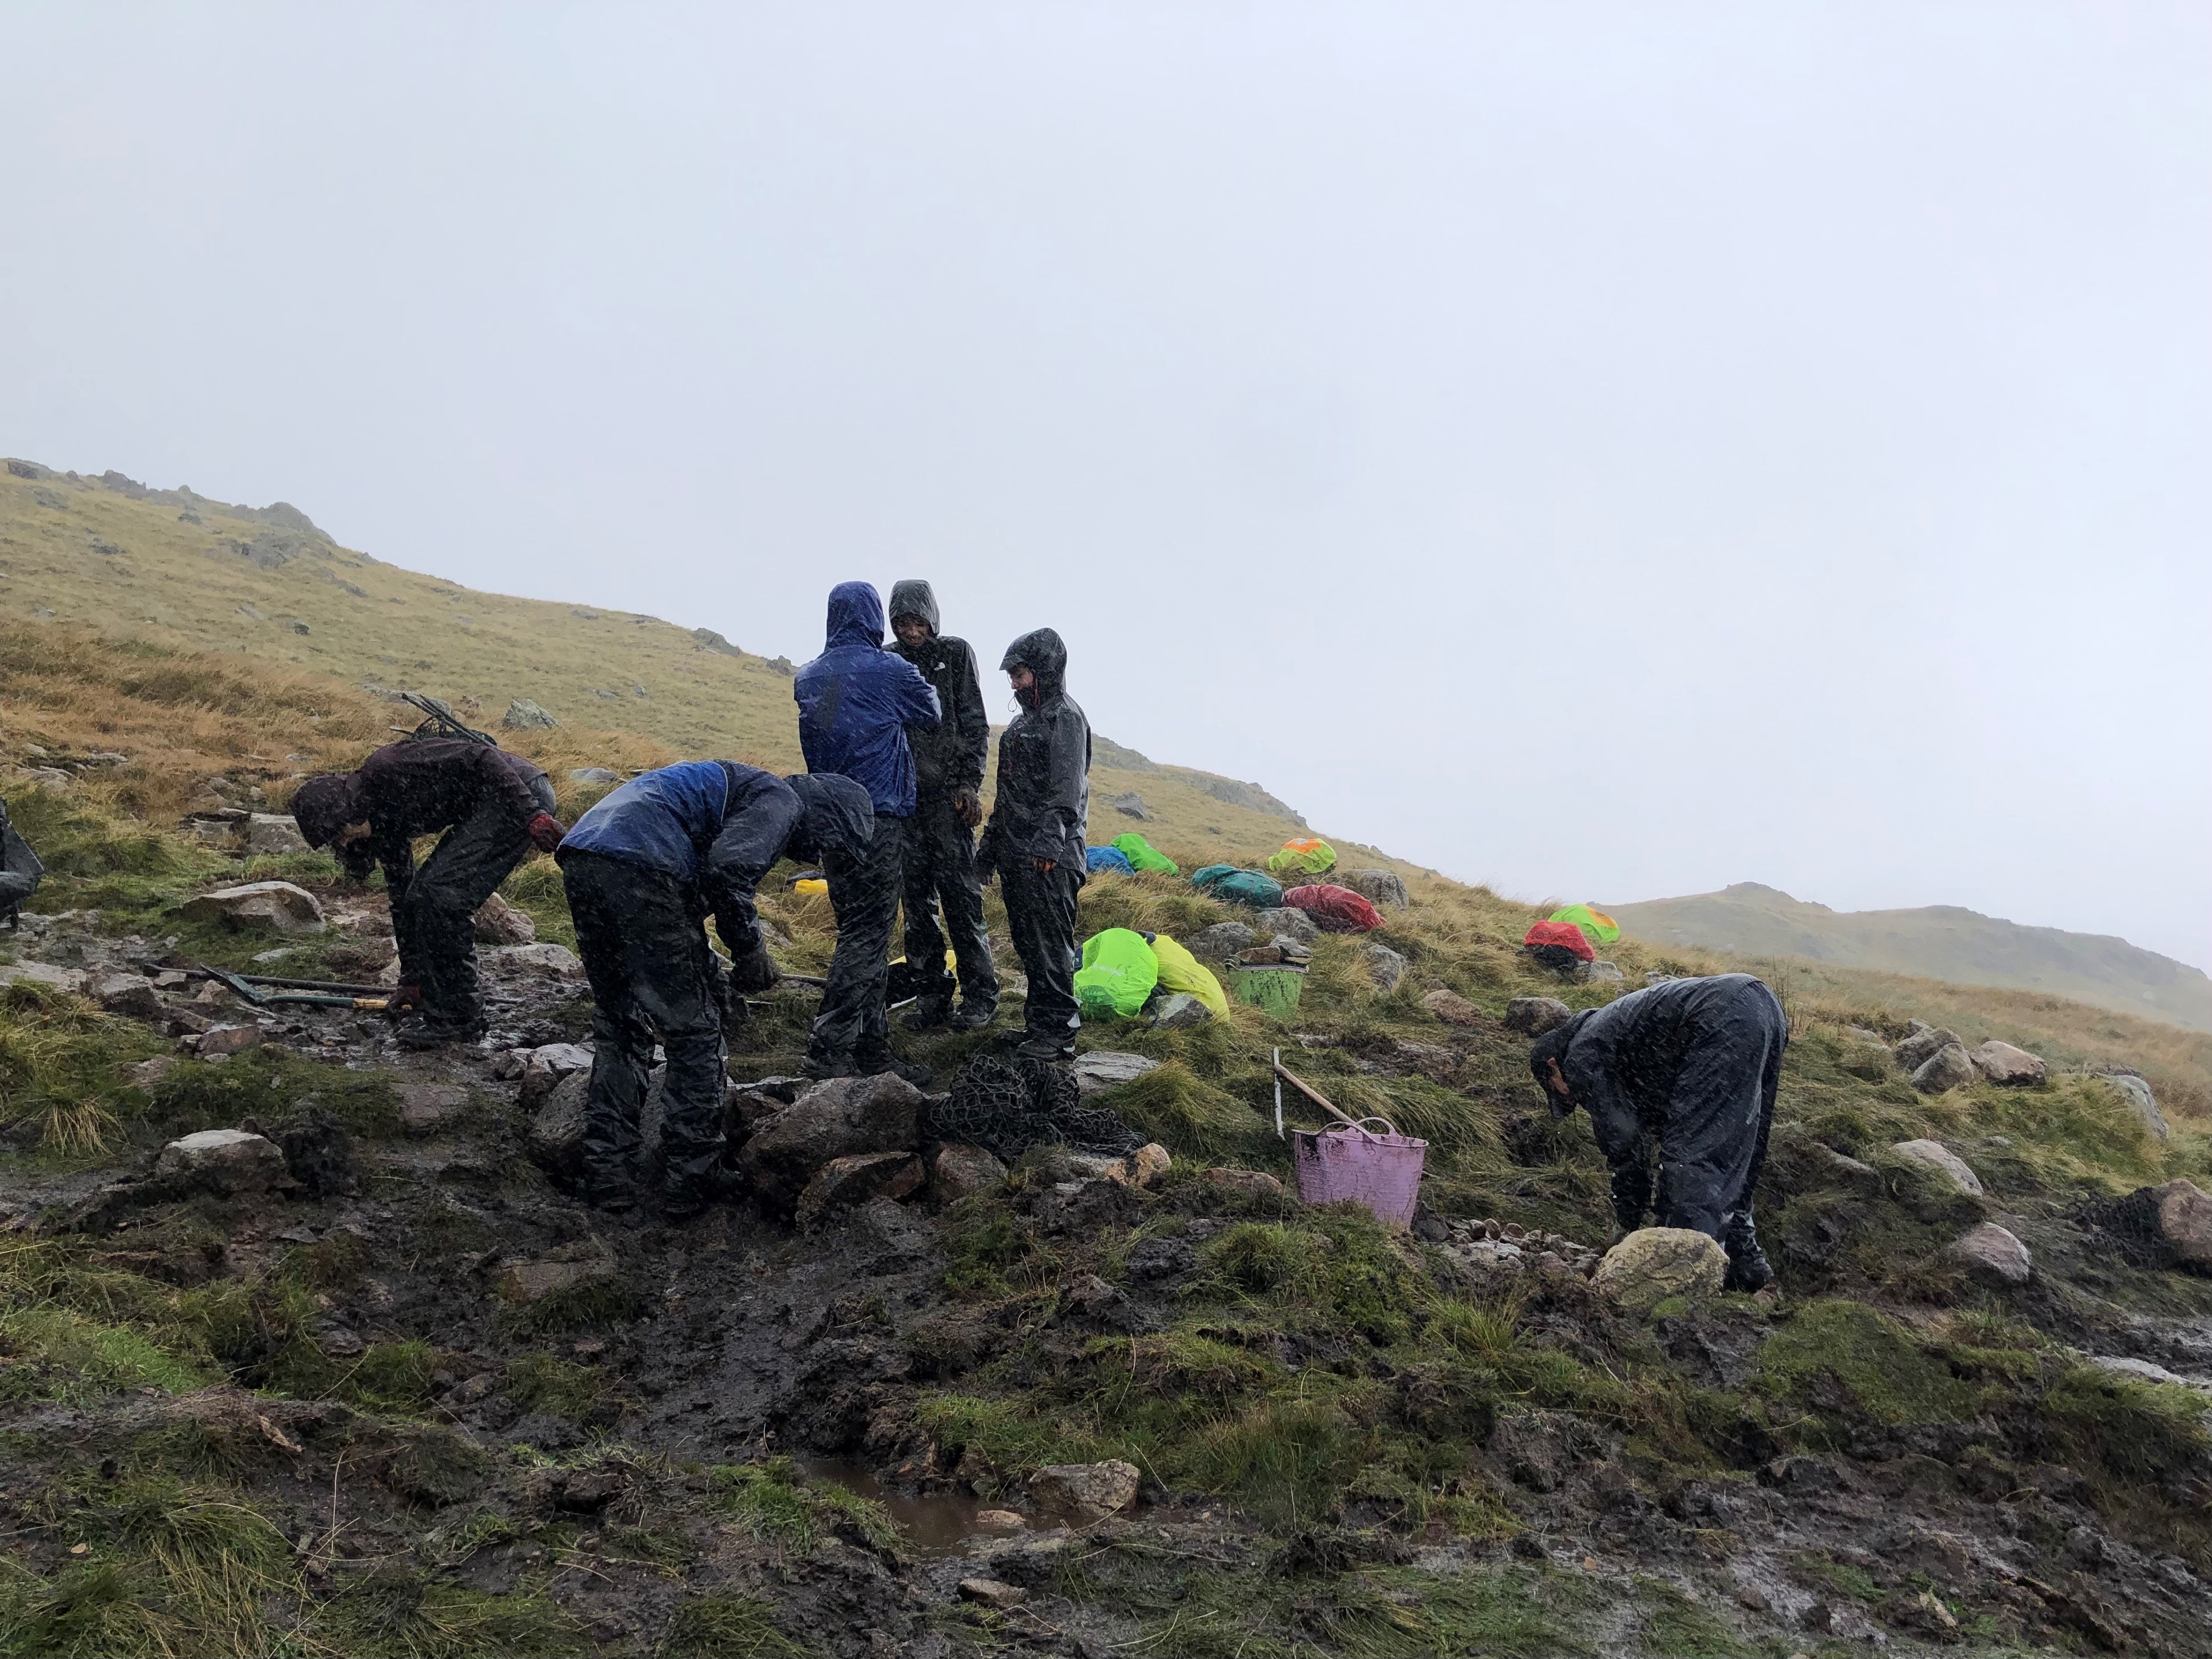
{"points": [[836, 819], [1044, 655], [1554, 1045], [915, 598], [324, 805], [856, 616]]}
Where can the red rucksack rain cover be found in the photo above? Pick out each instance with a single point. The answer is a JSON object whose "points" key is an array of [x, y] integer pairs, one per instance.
{"points": [[1334, 910], [1565, 935]]}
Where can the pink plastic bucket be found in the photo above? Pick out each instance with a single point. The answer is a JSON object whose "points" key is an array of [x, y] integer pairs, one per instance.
{"points": [[1381, 1171]]}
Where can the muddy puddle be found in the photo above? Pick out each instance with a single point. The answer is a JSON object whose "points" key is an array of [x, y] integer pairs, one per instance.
{"points": [[934, 1524]]}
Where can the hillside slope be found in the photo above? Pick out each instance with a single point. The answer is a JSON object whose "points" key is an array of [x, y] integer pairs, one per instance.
{"points": [[179, 569], [1941, 942]]}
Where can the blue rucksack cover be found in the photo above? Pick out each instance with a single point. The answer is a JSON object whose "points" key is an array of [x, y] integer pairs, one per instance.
{"points": [[1107, 858]]}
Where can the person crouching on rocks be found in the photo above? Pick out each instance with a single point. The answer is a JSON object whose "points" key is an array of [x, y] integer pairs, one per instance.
{"points": [[644, 869], [1034, 838], [1688, 1070], [493, 805]]}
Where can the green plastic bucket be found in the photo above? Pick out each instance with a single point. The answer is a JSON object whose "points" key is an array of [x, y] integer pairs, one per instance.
{"points": [[1274, 987]]}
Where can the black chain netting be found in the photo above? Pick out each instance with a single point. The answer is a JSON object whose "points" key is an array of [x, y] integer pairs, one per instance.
{"points": [[1008, 1106]]}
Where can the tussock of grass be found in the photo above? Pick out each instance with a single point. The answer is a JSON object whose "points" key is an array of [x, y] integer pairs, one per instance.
{"points": [[725, 1625], [778, 1507]]}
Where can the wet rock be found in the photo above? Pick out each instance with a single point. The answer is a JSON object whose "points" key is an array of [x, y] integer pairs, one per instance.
{"points": [[1533, 1015], [845, 1183], [1656, 1263], [1104, 1068], [1179, 1010], [1145, 1167], [2131, 1088], [1290, 923], [1925, 1042], [594, 775], [524, 715], [273, 833], [1948, 1067], [1156, 1258], [1001, 1521], [747, 1106], [546, 1069], [319, 1155], [1380, 887], [272, 906], [1129, 804], [1934, 1155], [555, 959], [831, 1120], [960, 1171], [498, 922], [1221, 941], [1600, 972], [1454, 1009], [1385, 967], [223, 1041], [131, 995], [990, 1593], [1252, 1183], [71, 980], [148, 1072], [226, 1161], [1994, 1254], [2141, 1369], [2182, 1215], [2001, 1062], [425, 1107], [1086, 1490], [533, 1281]]}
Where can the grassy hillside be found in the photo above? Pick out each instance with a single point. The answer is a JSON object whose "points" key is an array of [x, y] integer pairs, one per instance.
{"points": [[176, 569], [1939, 942]]}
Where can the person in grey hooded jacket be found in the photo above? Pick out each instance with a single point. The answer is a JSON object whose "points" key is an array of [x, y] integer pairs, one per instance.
{"points": [[1686, 1071], [939, 860], [1035, 839]]}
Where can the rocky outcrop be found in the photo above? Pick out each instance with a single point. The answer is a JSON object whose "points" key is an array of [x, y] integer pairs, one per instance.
{"points": [[2002, 1063], [2132, 1088], [1380, 887], [1288, 923], [524, 715], [1916, 1051], [1179, 1009], [1948, 1067], [1221, 941], [273, 832], [1533, 1015], [1454, 1009], [1934, 1155], [831, 1120]]}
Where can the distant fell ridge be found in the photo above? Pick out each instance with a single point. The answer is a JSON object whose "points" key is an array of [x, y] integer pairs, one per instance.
{"points": [[1942, 941]]}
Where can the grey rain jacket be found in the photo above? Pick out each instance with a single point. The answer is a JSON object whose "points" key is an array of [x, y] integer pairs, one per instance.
{"points": [[948, 757], [1043, 807]]}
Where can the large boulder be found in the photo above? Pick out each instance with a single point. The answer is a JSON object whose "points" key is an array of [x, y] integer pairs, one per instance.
{"points": [[1104, 1068], [1600, 972], [1918, 1049], [1533, 1015], [2001, 1062], [2131, 1088], [1454, 1009], [1130, 805], [1086, 1491], [1221, 941], [1934, 1155], [546, 1068], [846, 1183], [1380, 887], [556, 1135], [273, 832], [2183, 1214], [524, 715], [831, 1120], [272, 906], [1949, 1067], [499, 923], [226, 1161], [1290, 923], [1993, 1253], [960, 1171], [1654, 1264], [1385, 967]]}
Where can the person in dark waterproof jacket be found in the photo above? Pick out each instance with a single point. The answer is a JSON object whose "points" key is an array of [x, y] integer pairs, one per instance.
{"points": [[855, 702], [1686, 1070], [494, 806], [644, 868], [20, 871], [1034, 838], [939, 857]]}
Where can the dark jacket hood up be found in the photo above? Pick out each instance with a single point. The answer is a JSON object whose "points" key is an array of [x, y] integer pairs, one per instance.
{"points": [[324, 805], [856, 616], [1554, 1045], [836, 819], [1045, 655], [915, 598]]}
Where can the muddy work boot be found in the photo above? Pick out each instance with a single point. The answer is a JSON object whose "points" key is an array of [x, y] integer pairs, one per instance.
{"points": [[928, 1014], [974, 1017], [876, 1064], [1748, 1268], [428, 1032], [1046, 1049], [683, 1200]]}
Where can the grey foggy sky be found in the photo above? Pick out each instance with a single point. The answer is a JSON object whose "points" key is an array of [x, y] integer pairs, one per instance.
{"points": [[1608, 450]]}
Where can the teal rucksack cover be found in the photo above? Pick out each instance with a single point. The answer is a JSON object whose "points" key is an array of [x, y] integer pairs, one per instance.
{"points": [[1234, 887]]}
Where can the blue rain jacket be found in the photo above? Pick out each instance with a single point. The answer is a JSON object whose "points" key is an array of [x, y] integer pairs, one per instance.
{"points": [[856, 700]]}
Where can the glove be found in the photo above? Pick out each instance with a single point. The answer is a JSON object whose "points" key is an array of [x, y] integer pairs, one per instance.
{"points": [[967, 808], [753, 971], [545, 832]]}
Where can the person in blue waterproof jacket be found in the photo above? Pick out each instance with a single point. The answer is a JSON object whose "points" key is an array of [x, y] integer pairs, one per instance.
{"points": [[855, 701], [644, 868]]}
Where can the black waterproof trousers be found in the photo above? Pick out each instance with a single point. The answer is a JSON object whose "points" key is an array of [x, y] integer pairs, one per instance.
{"points": [[642, 937], [433, 915], [1711, 1138], [1041, 916], [940, 867], [852, 1024]]}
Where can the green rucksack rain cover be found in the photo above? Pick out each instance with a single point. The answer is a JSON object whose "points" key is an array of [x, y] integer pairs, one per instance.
{"points": [[1597, 926], [1142, 855], [1118, 973], [1308, 855]]}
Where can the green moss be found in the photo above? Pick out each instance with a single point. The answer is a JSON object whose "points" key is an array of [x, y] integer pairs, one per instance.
{"points": [[1884, 1376], [723, 1624], [61, 1356], [396, 1614], [539, 1383]]}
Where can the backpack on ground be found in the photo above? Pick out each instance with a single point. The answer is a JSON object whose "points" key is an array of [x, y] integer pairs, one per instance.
{"points": [[1309, 855], [1334, 910], [1118, 973], [1181, 971], [1231, 885], [1108, 860], [1142, 855]]}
